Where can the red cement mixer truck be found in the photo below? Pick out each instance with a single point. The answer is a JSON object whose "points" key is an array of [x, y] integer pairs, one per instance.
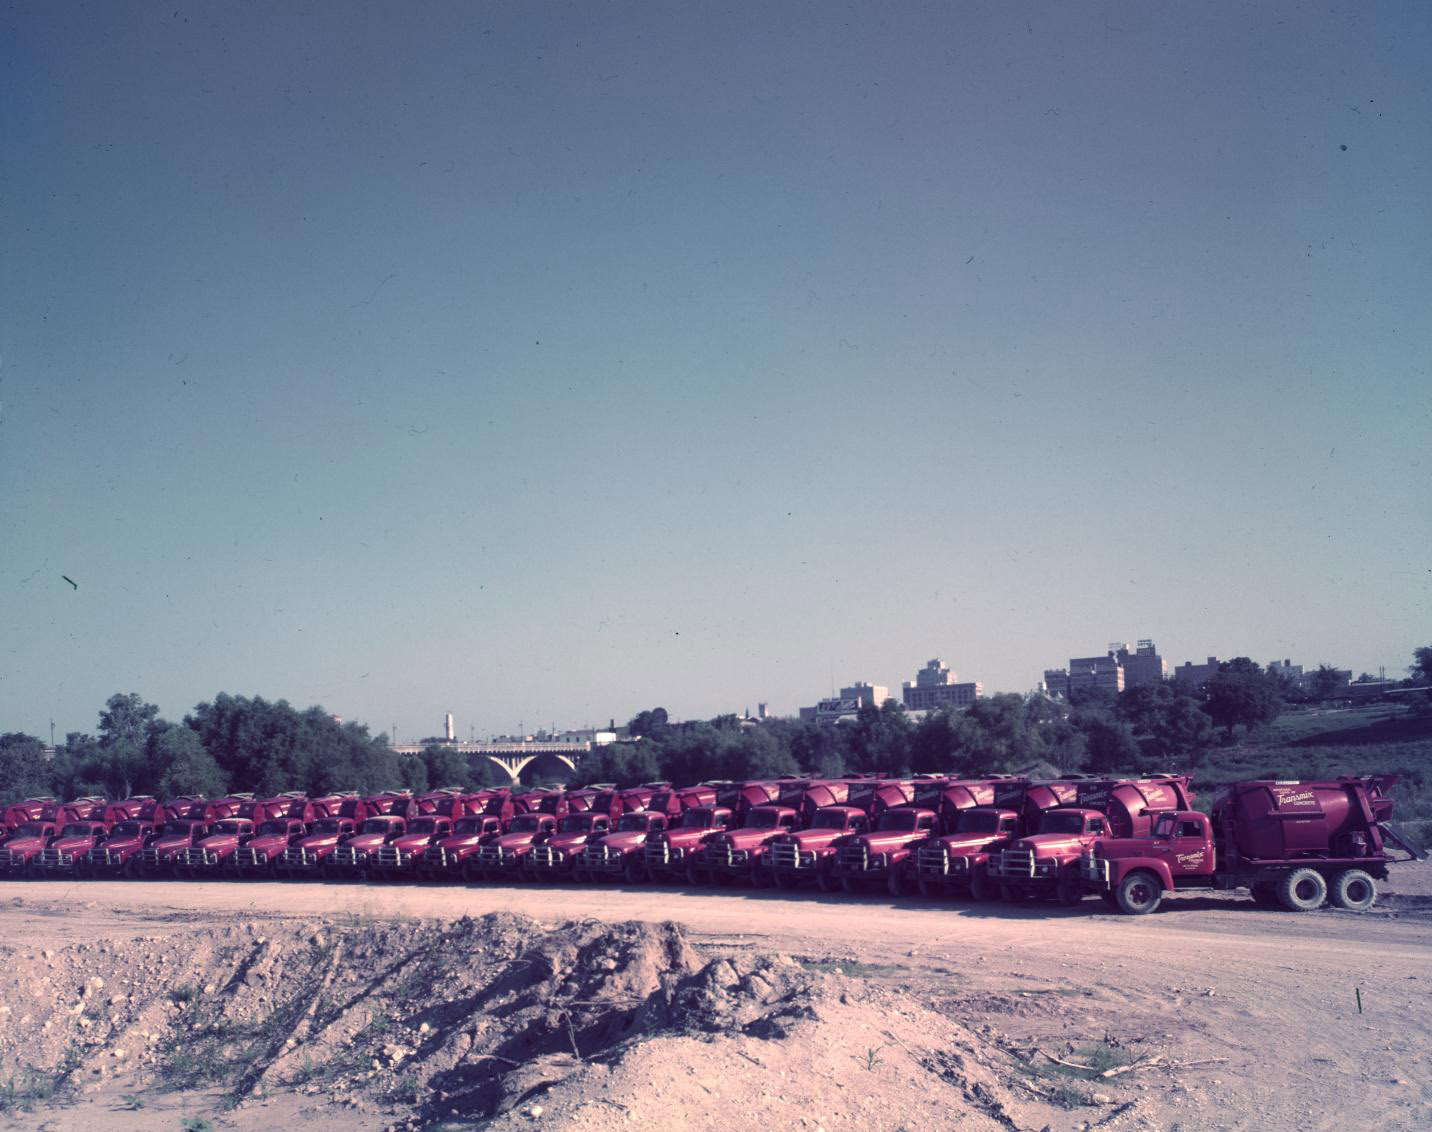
{"points": [[1294, 844]]}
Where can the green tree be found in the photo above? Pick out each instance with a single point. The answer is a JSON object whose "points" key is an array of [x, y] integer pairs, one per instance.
{"points": [[648, 723], [183, 766], [1109, 740], [1421, 667], [446, 766], [1241, 694], [24, 771], [879, 739], [126, 719], [1326, 682]]}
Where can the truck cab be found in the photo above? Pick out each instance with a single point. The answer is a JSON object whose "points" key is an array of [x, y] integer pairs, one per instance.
{"points": [[259, 855], [22, 848], [1047, 863], [359, 853], [502, 857], [733, 854], [119, 852], [309, 855], [401, 855], [161, 857], [66, 854], [554, 856], [621, 852], [216, 850], [861, 858], [667, 854], [801, 855], [958, 860], [453, 855]]}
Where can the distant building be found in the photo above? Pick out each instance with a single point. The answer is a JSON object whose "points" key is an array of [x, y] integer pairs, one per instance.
{"points": [[847, 704], [936, 687], [448, 728], [1197, 673], [1286, 669], [1142, 666], [1116, 670]]}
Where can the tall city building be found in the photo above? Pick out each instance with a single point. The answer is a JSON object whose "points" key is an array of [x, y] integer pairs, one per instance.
{"points": [[936, 687], [847, 704], [1196, 673], [1117, 669]]}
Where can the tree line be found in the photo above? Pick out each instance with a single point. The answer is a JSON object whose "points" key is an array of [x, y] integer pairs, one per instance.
{"points": [[242, 743]]}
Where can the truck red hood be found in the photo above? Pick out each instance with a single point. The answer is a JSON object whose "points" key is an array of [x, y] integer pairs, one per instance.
{"points": [[268, 842], [626, 840], [166, 844], [366, 841], [220, 841], [466, 841], [122, 843], [688, 837], [969, 842], [72, 844], [811, 838], [566, 842], [515, 840], [885, 840], [1054, 844], [750, 838], [410, 842], [20, 844], [319, 841]]}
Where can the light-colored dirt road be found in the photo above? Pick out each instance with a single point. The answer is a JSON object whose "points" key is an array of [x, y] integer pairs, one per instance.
{"points": [[1271, 997]]}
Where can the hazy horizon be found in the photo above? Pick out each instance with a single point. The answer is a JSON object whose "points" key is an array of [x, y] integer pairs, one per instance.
{"points": [[546, 363]]}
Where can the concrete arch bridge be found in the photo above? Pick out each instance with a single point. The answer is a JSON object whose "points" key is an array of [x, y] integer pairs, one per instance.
{"points": [[554, 759]]}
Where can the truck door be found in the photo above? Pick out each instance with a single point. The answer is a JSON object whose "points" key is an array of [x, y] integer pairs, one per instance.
{"points": [[1190, 847]]}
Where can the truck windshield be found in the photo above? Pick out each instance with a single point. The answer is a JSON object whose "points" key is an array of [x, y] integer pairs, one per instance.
{"points": [[633, 823], [762, 819], [423, 825], [279, 827], [375, 825], [525, 823], [898, 820], [696, 819], [177, 828], [575, 823], [30, 829], [467, 826], [979, 821], [229, 827], [1062, 821], [126, 829], [326, 825], [828, 819], [75, 831]]}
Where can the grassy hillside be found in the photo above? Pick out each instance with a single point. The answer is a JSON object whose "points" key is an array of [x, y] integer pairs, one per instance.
{"points": [[1325, 743]]}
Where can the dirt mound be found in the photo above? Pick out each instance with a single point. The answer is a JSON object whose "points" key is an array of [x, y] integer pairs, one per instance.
{"points": [[467, 1021]]}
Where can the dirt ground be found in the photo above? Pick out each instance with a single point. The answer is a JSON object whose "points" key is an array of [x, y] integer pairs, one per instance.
{"points": [[153, 1005]]}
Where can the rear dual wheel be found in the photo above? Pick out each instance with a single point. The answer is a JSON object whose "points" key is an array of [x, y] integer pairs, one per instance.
{"points": [[1353, 890], [1303, 890]]}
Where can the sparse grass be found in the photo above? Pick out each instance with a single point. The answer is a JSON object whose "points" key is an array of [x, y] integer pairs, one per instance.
{"points": [[872, 1060], [404, 1090], [852, 967], [1066, 1096], [23, 1090], [183, 993], [195, 1124], [1090, 1060], [131, 1102]]}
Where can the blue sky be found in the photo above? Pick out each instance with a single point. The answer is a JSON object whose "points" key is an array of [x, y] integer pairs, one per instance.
{"points": [[544, 362]]}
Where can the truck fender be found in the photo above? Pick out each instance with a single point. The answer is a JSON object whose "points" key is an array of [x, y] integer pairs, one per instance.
{"points": [[1153, 865]]}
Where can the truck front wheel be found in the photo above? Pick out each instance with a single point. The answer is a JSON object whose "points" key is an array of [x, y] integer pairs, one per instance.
{"points": [[1138, 894], [1302, 890], [1071, 890], [1354, 890]]}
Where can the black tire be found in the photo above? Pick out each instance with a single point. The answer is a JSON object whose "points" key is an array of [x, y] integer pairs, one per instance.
{"points": [[1011, 893], [930, 889], [1302, 890], [634, 871], [1354, 890], [1139, 893], [849, 885], [1264, 893], [981, 887], [131, 869], [760, 878], [827, 881], [895, 883], [1070, 889], [694, 876], [784, 881]]}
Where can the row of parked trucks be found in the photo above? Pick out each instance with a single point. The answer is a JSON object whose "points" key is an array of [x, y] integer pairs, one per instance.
{"points": [[1129, 840]]}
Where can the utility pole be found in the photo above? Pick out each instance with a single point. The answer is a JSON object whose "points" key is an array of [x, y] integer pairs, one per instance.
{"points": [[52, 732]]}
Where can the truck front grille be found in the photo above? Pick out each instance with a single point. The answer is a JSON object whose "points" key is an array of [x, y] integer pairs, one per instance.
{"points": [[1016, 863], [853, 858], [391, 857], [933, 861], [250, 858]]}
